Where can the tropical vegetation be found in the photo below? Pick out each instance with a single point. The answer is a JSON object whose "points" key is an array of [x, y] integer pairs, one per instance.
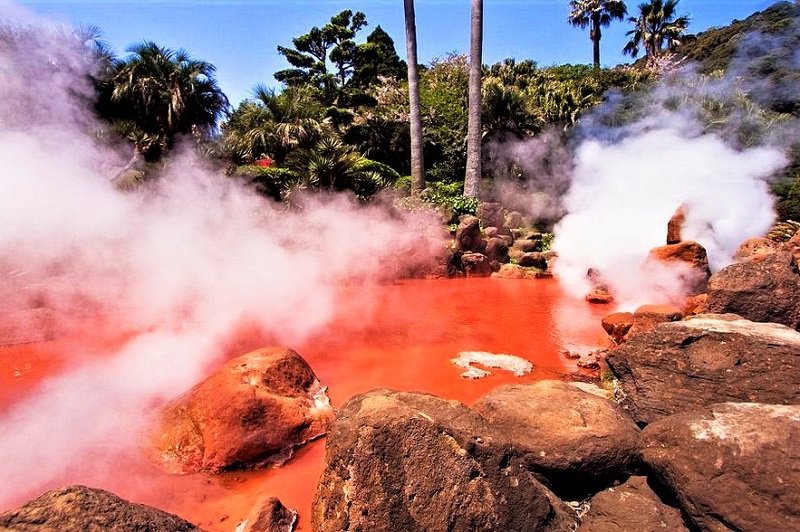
{"points": [[350, 115]]}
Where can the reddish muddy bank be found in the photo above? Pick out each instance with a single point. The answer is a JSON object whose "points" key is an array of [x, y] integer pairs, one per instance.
{"points": [[398, 336]]}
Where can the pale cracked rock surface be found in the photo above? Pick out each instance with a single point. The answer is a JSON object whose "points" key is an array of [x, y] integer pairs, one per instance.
{"points": [[415, 462], [731, 466]]}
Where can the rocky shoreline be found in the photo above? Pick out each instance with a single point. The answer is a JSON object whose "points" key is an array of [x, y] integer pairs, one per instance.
{"points": [[702, 432]]}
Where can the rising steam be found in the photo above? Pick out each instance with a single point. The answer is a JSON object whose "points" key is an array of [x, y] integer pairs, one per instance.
{"points": [[177, 267]]}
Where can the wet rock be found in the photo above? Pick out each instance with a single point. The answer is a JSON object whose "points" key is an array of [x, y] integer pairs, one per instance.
{"points": [[632, 506], [82, 509], [528, 245], [415, 462], [599, 296], [706, 359], [755, 248], [675, 226], [730, 466], [617, 325], [514, 271], [274, 517], [577, 441], [491, 232], [497, 250], [468, 236], [766, 290], [476, 265], [255, 409], [693, 256], [532, 260]]}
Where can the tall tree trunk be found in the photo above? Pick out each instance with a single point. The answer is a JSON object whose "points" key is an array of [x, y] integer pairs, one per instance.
{"points": [[595, 35], [472, 179], [417, 161]]}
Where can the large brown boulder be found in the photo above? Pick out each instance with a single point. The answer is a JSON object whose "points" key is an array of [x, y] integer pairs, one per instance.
{"points": [[631, 507], [254, 410], [497, 250], [648, 317], [693, 257], [273, 516], [82, 509], [767, 289], [576, 441], [706, 359], [731, 466], [468, 235], [476, 265], [415, 462]]}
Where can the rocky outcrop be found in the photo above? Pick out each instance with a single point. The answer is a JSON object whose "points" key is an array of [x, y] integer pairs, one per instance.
{"points": [[706, 359], [766, 290], [476, 265], [731, 466], [497, 250], [256, 409], [533, 259], [755, 248], [468, 236], [693, 257], [576, 441], [82, 509], [617, 325], [675, 226], [648, 317], [414, 462], [491, 214], [274, 517], [633, 506]]}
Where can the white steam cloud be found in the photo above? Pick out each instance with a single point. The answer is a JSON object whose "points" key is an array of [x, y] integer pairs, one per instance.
{"points": [[708, 143], [623, 193], [178, 267]]}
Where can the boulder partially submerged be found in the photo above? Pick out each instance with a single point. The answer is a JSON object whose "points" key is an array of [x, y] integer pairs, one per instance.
{"points": [[256, 409]]}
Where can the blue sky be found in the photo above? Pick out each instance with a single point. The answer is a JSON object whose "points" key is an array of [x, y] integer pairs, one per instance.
{"points": [[240, 36]]}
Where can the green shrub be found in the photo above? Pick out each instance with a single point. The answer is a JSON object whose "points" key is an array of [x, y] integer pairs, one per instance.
{"points": [[449, 196]]}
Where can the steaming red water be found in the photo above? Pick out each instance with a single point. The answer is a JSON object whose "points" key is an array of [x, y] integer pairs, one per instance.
{"points": [[399, 336]]}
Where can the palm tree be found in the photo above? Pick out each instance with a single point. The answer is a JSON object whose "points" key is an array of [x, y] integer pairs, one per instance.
{"points": [[417, 161], [472, 179], [656, 26], [596, 14], [334, 166], [274, 124], [165, 93]]}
